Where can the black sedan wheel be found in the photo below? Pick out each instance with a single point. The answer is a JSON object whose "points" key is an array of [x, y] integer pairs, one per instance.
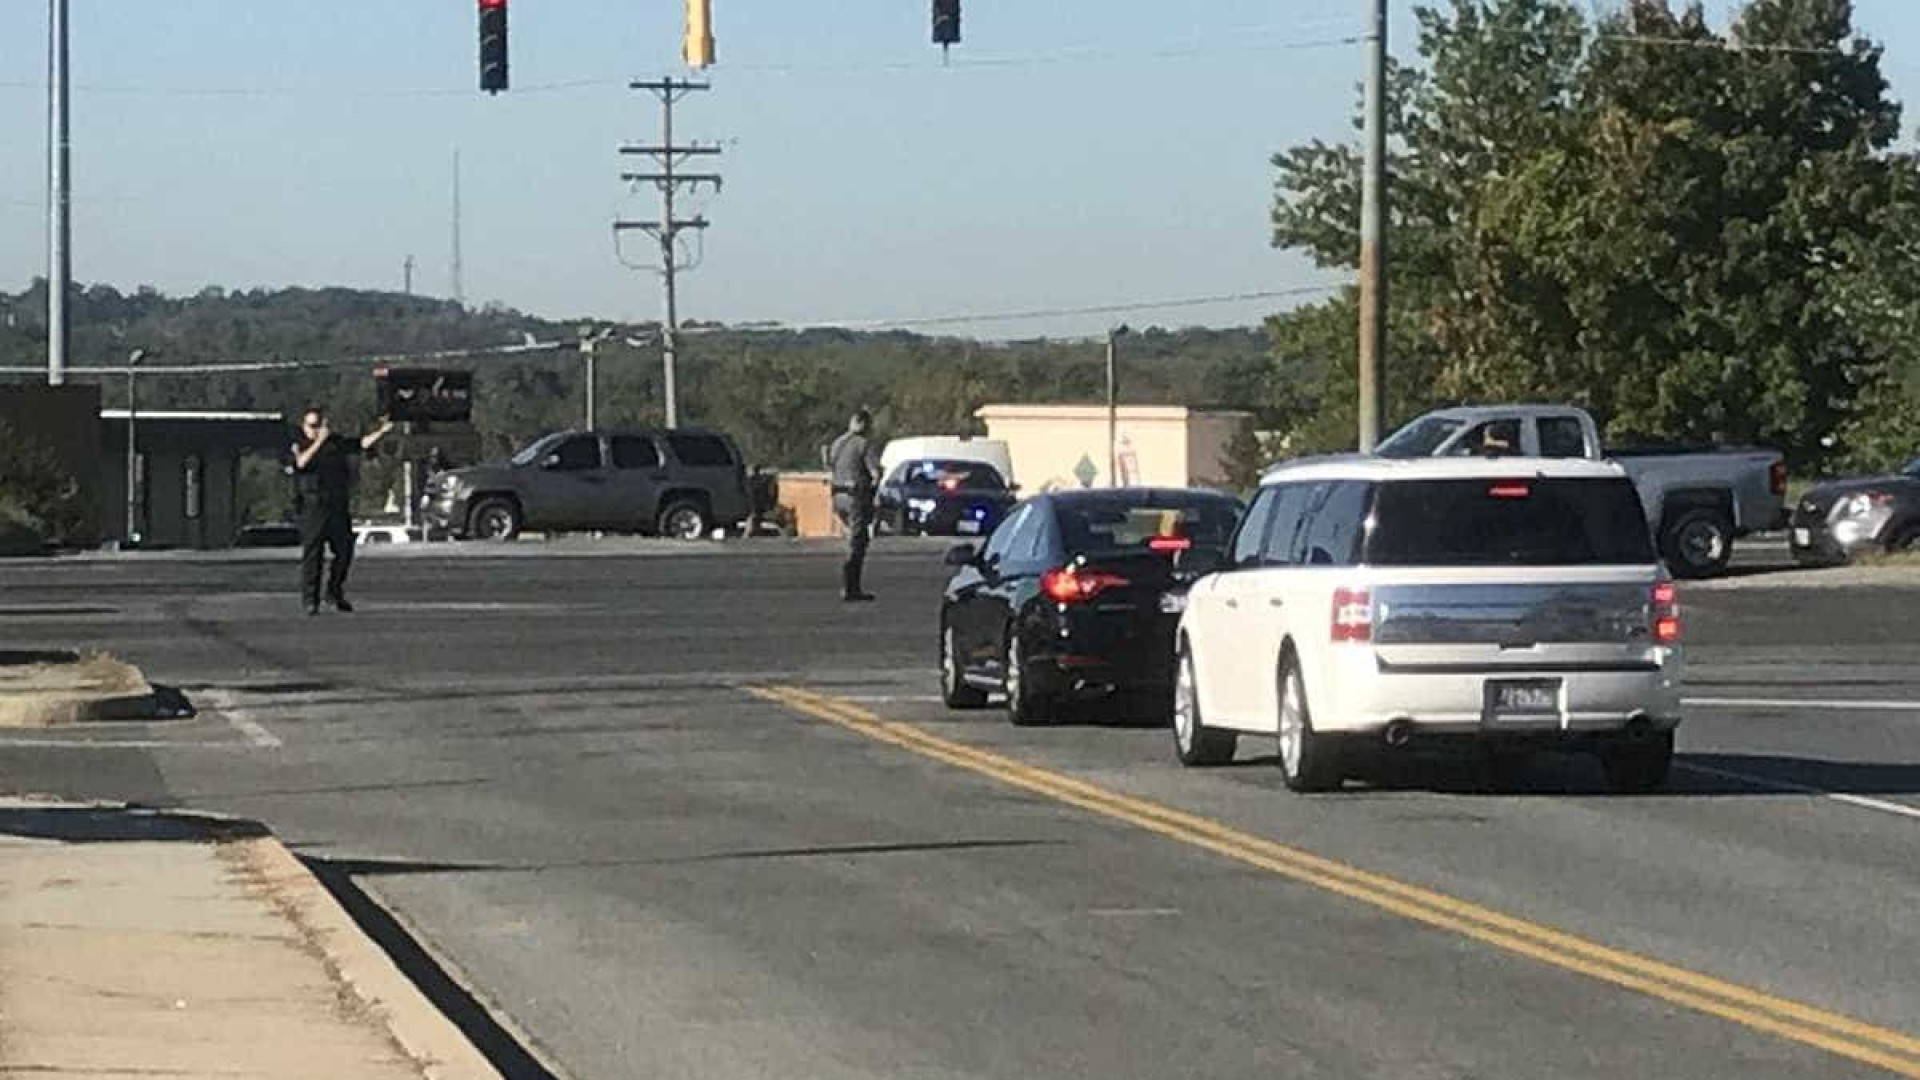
{"points": [[1025, 707], [953, 678]]}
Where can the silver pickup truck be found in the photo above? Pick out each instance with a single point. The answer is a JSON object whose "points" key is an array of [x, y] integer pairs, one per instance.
{"points": [[1697, 501]]}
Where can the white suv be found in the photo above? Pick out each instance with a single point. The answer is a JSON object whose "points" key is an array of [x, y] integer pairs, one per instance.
{"points": [[1514, 603]]}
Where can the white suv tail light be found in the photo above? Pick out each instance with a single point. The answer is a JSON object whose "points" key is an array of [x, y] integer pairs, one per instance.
{"points": [[1352, 615], [1666, 614]]}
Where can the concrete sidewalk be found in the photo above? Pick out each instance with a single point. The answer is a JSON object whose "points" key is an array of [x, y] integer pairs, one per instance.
{"points": [[142, 945]]}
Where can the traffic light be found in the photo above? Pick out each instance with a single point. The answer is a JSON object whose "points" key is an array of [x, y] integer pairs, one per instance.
{"points": [[946, 22], [699, 46], [493, 45]]}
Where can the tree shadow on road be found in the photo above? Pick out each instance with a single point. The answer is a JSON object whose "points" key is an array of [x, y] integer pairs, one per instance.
{"points": [[120, 825], [1695, 775]]}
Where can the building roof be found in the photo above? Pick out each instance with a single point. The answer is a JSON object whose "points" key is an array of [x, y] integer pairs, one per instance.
{"points": [[198, 416], [1015, 411], [1357, 467]]}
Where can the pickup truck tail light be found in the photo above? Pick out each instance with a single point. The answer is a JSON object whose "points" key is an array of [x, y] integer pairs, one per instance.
{"points": [[1077, 585], [1352, 615], [1777, 477], [1666, 614]]}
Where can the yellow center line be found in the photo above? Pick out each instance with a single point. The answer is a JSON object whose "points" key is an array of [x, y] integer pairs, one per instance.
{"points": [[1884, 1048]]}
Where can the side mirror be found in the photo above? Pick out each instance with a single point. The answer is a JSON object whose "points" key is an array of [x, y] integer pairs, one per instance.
{"points": [[961, 555], [1198, 562]]}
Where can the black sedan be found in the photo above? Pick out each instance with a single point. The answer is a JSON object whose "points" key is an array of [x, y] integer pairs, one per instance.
{"points": [[927, 497], [1076, 595], [1834, 522]]}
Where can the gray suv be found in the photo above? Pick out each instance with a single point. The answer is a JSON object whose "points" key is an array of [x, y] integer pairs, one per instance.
{"points": [[680, 483]]}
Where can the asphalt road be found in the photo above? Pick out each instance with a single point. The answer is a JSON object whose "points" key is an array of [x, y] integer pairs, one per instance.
{"points": [[687, 815]]}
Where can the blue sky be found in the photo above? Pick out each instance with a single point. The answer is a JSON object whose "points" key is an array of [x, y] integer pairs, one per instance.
{"points": [[1120, 154]]}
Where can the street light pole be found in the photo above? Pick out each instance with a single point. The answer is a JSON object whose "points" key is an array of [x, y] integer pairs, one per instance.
{"points": [[1113, 405], [1373, 233], [59, 194], [133, 452]]}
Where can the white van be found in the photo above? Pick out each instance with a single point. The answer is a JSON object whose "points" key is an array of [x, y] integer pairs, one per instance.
{"points": [[992, 452]]}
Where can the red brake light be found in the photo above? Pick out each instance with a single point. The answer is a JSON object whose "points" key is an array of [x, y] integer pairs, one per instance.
{"points": [[1073, 585], [1509, 491], [1352, 615], [1777, 477], [1170, 543], [950, 483], [1666, 614]]}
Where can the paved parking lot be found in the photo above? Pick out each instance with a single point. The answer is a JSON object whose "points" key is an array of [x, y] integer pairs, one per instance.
{"points": [[683, 813]]}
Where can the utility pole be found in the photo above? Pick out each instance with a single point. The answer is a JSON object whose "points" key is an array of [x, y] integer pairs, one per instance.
{"points": [[132, 538], [1373, 233], [459, 287], [669, 156], [1113, 405], [59, 194], [406, 270]]}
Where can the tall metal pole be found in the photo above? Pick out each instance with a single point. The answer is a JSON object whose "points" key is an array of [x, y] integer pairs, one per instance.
{"points": [[133, 454], [459, 272], [1113, 408], [1373, 233], [59, 194], [668, 330]]}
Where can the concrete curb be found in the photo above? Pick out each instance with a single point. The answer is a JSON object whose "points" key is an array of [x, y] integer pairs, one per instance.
{"points": [[420, 1029]]}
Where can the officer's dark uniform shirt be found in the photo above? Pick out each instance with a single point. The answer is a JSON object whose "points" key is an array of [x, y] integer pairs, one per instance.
{"points": [[328, 472]]}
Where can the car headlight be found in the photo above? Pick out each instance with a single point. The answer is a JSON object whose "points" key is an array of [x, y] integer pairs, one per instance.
{"points": [[920, 506]]}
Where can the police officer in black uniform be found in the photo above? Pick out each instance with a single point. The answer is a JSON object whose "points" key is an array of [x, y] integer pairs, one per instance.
{"points": [[323, 481], [855, 474]]}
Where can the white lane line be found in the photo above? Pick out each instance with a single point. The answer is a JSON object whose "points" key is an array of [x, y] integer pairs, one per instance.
{"points": [[254, 732], [115, 744], [1860, 801], [1133, 913], [1801, 703]]}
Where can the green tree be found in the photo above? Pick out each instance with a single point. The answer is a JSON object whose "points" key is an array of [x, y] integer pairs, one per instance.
{"points": [[1640, 215]]}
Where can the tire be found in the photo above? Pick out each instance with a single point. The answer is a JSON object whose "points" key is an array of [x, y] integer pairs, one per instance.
{"points": [[494, 519], [1309, 761], [953, 686], [1194, 743], [684, 519], [1024, 707], [1697, 543], [1907, 539], [1636, 768]]}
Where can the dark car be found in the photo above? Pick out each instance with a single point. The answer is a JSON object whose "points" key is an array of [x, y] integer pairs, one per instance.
{"points": [[679, 483], [937, 497], [1076, 595], [1834, 522]]}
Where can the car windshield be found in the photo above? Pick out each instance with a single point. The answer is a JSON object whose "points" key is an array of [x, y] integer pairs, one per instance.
{"points": [[1494, 522], [949, 475], [1912, 469], [1420, 438], [537, 449], [1120, 524]]}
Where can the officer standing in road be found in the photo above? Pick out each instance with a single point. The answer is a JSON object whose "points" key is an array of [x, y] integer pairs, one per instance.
{"points": [[855, 473], [323, 483]]}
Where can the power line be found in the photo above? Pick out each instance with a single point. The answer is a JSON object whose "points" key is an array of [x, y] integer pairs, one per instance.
{"points": [[1033, 313], [534, 347], [1236, 42]]}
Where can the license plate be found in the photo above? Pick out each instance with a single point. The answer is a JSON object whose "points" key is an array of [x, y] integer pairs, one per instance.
{"points": [[967, 525], [1173, 603], [1803, 537], [1523, 698]]}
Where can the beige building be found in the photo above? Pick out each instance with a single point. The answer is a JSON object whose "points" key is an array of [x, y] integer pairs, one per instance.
{"points": [[1065, 446]]}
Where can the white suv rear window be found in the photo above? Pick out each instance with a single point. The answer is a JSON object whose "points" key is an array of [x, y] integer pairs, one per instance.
{"points": [[1519, 522]]}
